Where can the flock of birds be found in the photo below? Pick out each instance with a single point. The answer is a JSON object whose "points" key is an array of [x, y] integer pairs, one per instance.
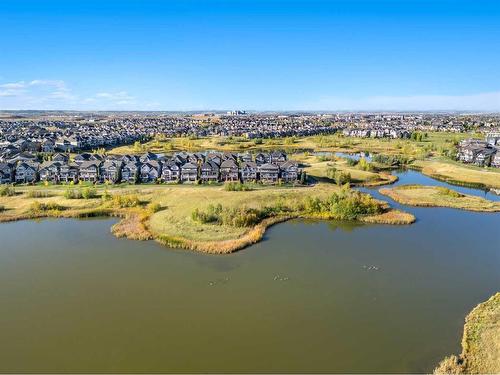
{"points": [[279, 277]]}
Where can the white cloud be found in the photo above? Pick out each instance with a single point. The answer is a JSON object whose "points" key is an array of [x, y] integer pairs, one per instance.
{"points": [[36, 92], [14, 85], [489, 101], [55, 94]]}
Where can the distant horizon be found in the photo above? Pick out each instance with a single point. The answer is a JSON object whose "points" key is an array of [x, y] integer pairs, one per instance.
{"points": [[250, 111]]}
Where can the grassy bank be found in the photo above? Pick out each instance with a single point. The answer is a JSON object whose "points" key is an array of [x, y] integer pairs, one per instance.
{"points": [[480, 342], [166, 212], [434, 196], [460, 174]]}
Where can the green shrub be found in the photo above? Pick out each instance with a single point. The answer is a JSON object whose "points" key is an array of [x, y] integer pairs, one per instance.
{"points": [[392, 160], [342, 178], [38, 194], [211, 215], [330, 172], [449, 192], [345, 205], [124, 201], [236, 186], [303, 178], [89, 193], [365, 165], [154, 207], [351, 162], [73, 194], [235, 217], [7, 191], [106, 196], [38, 207]]}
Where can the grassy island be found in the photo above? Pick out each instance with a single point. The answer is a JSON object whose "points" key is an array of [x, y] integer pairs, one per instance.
{"points": [[435, 196], [480, 342], [460, 174], [207, 218]]}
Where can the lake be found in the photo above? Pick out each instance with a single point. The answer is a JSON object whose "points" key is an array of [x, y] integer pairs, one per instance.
{"points": [[311, 297]]}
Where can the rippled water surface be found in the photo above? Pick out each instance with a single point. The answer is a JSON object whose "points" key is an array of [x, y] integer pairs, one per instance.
{"points": [[313, 296]]}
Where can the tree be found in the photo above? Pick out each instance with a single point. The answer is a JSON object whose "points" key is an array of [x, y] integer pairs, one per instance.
{"points": [[303, 178], [330, 172]]}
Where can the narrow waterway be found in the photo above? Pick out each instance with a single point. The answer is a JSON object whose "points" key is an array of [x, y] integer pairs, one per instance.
{"points": [[311, 297]]}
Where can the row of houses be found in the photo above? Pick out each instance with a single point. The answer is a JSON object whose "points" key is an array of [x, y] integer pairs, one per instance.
{"points": [[381, 132], [180, 167], [70, 135], [480, 153]]}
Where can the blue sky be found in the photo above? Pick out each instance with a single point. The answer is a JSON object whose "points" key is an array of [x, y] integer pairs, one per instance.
{"points": [[261, 55]]}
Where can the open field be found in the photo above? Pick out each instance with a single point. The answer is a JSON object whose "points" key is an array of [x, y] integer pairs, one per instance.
{"points": [[435, 144], [480, 342], [165, 212], [434, 196]]}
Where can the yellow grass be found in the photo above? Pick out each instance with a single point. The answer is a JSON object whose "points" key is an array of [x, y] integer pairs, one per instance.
{"points": [[480, 342], [460, 173], [433, 196], [390, 217]]}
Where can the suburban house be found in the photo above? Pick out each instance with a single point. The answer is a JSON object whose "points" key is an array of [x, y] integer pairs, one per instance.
{"points": [[484, 156], [209, 171], [89, 171], [277, 157], [495, 160], [26, 173], [69, 172], [269, 173], [229, 170], [289, 171], [245, 157], [130, 172], [64, 158], [248, 171], [150, 171], [48, 146], [214, 157], [50, 171], [171, 172], [147, 157], [261, 158], [6, 173], [189, 172], [110, 171], [478, 152]]}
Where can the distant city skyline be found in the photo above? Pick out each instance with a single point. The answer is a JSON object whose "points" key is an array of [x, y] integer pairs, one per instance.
{"points": [[277, 55]]}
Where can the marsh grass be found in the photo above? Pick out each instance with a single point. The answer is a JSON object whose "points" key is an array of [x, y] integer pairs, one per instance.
{"points": [[39, 193], [437, 196], [7, 191]]}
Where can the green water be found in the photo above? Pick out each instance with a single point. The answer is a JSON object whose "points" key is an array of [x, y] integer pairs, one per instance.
{"points": [[311, 297]]}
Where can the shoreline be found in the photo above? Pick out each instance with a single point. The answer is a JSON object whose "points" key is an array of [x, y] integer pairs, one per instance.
{"points": [[480, 342], [435, 196], [133, 225]]}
